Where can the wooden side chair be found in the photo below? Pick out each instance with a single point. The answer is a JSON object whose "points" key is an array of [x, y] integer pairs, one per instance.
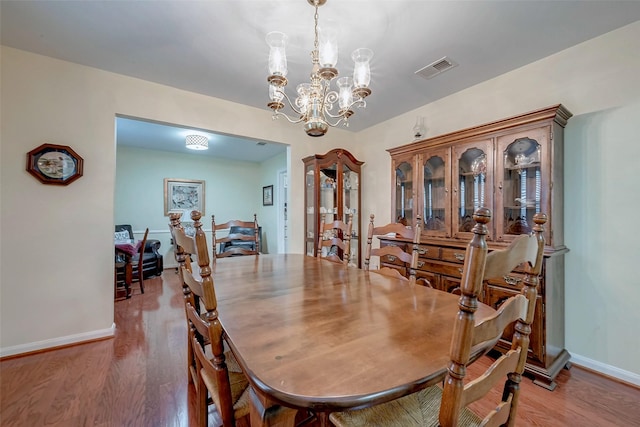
{"points": [[129, 266], [243, 238], [184, 247], [219, 377], [391, 252], [447, 407], [335, 236]]}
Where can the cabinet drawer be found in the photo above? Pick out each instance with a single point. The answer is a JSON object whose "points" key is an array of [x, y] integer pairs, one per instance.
{"points": [[453, 255], [437, 267], [511, 281], [430, 252], [495, 296]]}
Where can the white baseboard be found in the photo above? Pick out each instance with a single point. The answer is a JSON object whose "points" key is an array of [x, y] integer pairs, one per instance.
{"points": [[603, 368], [58, 342]]}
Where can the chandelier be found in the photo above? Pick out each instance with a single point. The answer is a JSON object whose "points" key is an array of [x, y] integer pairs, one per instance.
{"points": [[315, 103]]}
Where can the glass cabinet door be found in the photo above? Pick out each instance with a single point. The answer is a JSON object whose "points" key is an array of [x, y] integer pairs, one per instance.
{"points": [[350, 197], [310, 202], [522, 184], [404, 192], [435, 199], [472, 184], [328, 193]]}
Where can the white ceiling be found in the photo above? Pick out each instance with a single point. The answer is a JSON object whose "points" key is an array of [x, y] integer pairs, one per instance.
{"points": [[217, 47]]}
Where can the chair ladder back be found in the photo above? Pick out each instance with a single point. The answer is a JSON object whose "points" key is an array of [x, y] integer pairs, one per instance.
{"points": [[181, 258], [478, 266], [234, 237], [392, 252], [208, 323], [336, 228]]}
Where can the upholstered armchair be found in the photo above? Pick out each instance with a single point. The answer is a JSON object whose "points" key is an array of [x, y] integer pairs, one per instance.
{"points": [[152, 263]]}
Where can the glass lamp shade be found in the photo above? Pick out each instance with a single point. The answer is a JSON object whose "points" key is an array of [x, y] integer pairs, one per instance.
{"points": [[361, 70], [328, 45], [197, 142], [277, 54], [345, 96], [275, 94]]}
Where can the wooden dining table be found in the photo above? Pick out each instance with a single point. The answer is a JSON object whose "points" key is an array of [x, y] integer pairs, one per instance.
{"points": [[313, 334]]}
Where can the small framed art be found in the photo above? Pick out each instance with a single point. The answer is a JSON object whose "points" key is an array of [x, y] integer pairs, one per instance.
{"points": [[54, 164], [267, 195]]}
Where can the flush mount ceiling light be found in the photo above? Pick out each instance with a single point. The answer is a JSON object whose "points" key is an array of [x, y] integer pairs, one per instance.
{"points": [[315, 101], [197, 142]]}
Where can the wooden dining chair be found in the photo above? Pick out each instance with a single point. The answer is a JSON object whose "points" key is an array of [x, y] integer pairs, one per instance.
{"points": [[184, 250], [447, 406], [334, 240], [243, 238], [219, 377], [129, 267], [391, 253]]}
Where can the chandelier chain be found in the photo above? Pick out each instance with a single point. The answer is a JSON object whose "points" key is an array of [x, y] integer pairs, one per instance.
{"points": [[315, 31]]}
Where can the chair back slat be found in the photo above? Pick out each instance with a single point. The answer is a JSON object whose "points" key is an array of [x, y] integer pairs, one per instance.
{"points": [[511, 310], [498, 371], [502, 262]]}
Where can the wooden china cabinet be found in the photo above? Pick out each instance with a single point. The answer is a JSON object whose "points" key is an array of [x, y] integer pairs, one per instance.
{"points": [[513, 167], [332, 191]]}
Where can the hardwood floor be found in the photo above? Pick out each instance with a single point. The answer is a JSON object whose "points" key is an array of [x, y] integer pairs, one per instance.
{"points": [[140, 378]]}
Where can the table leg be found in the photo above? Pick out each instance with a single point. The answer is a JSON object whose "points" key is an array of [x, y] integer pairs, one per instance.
{"points": [[265, 413]]}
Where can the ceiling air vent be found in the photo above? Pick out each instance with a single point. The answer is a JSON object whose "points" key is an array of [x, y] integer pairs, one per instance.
{"points": [[437, 67]]}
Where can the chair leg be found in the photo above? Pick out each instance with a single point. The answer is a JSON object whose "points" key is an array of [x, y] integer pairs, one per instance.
{"points": [[141, 275]]}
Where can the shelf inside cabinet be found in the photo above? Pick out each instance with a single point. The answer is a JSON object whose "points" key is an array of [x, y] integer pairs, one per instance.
{"points": [[521, 167]]}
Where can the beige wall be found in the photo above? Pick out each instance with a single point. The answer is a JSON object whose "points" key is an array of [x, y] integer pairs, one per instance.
{"points": [[44, 99]]}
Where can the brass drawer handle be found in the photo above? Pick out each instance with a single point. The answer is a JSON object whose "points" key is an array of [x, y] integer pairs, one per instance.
{"points": [[511, 280], [460, 270], [459, 257], [391, 258], [420, 264], [423, 251]]}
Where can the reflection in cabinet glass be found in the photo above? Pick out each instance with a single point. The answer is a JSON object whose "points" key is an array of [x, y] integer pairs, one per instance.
{"points": [[404, 193], [434, 194], [332, 183]]}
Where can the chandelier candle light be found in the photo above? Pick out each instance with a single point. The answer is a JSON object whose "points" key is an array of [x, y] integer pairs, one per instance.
{"points": [[316, 100]]}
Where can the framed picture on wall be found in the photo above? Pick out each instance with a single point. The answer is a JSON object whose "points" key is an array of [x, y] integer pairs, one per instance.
{"points": [[267, 195], [183, 195], [54, 164]]}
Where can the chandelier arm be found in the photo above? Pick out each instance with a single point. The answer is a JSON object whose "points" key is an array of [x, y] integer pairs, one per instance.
{"points": [[337, 122], [291, 105], [277, 113]]}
